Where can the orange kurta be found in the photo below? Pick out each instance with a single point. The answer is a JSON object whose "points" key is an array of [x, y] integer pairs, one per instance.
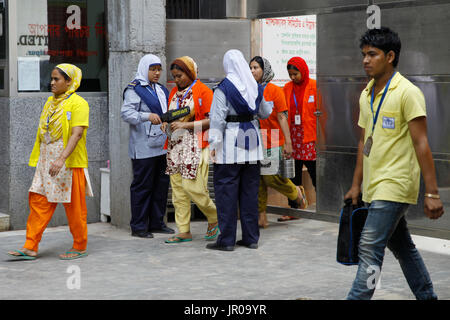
{"points": [[276, 95], [309, 120]]}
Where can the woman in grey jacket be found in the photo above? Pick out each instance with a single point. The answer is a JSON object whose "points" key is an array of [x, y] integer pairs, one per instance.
{"points": [[236, 149], [145, 100]]}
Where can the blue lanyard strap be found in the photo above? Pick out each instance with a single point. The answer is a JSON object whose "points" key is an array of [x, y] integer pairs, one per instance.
{"points": [[372, 100], [295, 100], [186, 93], [152, 90]]}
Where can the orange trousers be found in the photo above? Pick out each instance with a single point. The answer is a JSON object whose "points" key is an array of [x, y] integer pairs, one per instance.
{"points": [[41, 212]]}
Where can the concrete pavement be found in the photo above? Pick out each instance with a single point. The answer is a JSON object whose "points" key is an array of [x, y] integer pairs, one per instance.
{"points": [[295, 260]]}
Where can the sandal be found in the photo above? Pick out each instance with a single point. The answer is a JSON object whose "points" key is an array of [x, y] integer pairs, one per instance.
{"points": [[177, 240], [212, 233], [72, 255], [21, 255]]}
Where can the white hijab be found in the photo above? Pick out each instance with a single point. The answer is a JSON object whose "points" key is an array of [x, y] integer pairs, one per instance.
{"points": [[238, 72], [142, 75]]}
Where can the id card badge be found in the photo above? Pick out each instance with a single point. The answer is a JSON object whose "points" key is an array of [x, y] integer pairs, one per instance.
{"points": [[298, 120], [368, 146]]}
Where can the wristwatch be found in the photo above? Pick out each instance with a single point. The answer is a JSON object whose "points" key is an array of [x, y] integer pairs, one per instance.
{"points": [[433, 196]]}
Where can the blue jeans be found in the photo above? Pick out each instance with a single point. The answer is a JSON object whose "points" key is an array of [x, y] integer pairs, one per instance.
{"points": [[386, 227]]}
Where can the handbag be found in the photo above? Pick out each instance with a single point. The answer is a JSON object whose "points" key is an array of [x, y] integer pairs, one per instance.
{"points": [[351, 224]]}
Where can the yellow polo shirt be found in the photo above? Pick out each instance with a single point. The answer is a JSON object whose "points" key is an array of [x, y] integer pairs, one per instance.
{"points": [[76, 114], [392, 171]]}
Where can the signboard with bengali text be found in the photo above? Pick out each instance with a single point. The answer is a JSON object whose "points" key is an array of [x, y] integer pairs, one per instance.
{"points": [[284, 38]]}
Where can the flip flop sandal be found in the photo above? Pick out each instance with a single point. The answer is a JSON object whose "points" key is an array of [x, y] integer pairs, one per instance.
{"points": [[77, 255], [177, 240], [213, 236], [22, 256]]}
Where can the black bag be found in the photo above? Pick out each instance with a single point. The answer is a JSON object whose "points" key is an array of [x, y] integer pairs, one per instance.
{"points": [[351, 224]]}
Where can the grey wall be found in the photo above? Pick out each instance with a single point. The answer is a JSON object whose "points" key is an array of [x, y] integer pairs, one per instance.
{"points": [[24, 115], [424, 60], [423, 27], [4, 155], [135, 27], [206, 41]]}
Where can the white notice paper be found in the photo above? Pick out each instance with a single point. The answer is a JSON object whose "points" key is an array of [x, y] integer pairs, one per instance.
{"points": [[28, 74], [284, 38]]}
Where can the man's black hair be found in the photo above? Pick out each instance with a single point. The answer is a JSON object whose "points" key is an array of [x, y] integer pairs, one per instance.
{"points": [[384, 39]]}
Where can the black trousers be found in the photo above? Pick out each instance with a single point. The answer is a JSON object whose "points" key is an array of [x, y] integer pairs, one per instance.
{"points": [[148, 193], [311, 166], [233, 184]]}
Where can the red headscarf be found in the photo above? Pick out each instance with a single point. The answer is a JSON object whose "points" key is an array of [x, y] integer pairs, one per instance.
{"points": [[299, 89]]}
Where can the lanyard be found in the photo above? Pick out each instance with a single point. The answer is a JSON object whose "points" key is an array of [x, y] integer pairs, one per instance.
{"points": [[187, 91], [375, 116], [152, 91], [296, 104]]}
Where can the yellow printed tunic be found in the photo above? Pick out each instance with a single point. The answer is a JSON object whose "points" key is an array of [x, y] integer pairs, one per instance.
{"points": [[392, 171], [75, 114]]}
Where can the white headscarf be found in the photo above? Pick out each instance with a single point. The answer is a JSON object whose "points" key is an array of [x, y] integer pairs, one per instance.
{"points": [[238, 72], [144, 65], [142, 75]]}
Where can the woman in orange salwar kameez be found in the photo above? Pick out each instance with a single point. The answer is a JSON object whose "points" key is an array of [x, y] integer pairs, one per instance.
{"points": [[61, 162]]}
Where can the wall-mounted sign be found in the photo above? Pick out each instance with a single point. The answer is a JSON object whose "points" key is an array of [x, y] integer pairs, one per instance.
{"points": [[28, 74], [284, 38]]}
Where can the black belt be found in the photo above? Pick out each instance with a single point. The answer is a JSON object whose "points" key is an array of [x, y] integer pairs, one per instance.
{"points": [[243, 118]]}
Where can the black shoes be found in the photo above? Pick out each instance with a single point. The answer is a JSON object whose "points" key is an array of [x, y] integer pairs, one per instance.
{"points": [[142, 234], [215, 246], [149, 234], [250, 246], [164, 229]]}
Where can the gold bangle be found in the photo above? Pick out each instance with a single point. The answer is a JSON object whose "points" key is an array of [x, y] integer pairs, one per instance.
{"points": [[433, 196]]}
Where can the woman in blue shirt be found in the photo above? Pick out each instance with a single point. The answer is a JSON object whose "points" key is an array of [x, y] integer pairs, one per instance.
{"points": [[145, 100]]}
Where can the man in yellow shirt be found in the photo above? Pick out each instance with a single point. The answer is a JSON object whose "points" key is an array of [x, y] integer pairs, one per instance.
{"points": [[392, 151]]}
